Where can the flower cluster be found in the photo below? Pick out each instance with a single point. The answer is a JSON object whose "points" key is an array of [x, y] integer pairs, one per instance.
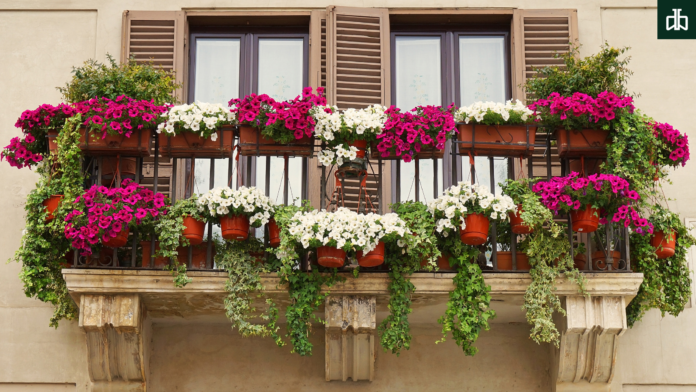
{"points": [[350, 124], [121, 116], [251, 202], [405, 134], [677, 143], [337, 155], [21, 152], [463, 199], [581, 111], [253, 109], [100, 214], [45, 117], [199, 118], [346, 229], [494, 113], [608, 192]]}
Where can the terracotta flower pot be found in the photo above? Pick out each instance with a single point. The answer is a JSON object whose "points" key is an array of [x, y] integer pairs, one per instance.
{"points": [[599, 262], [664, 244], [51, 205], [496, 140], [259, 257], [194, 230], [138, 144], [373, 258], [68, 260], [516, 222], [476, 231], [426, 152], [52, 135], [361, 145], [505, 261], [330, 257], [127, 168], [120, 239], [585, 221], [189, 144], [273, 233], [582, 143], [160, 262], [580, 261], [198, 255], [252, 143], [235, 227], [443, 263]]}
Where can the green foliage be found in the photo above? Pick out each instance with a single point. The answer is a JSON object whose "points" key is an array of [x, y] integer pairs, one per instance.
{"points": [[138, 81], [44, 246], [666, 283], [395, 330], [244, 285], [592, 75], [468, 308]]}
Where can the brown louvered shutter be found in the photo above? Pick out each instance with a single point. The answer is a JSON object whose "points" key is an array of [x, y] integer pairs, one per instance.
{"points": [[317, 78], [157, 36], [537, 35], [358, 56]]}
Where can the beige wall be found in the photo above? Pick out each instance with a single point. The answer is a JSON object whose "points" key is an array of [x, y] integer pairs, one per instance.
{"points": [[38, 49]]}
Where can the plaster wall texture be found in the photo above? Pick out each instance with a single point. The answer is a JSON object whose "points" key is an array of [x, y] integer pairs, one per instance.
{"points": [[40, 42]]}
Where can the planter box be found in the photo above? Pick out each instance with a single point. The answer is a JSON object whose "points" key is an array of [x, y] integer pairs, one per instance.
{"points": [[496, 140], [137, 145], [252, 143], [189, 145], [584, 143], [427, 152]]}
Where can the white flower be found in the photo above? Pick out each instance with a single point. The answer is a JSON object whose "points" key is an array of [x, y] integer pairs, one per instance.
{"points": [[478, 110], [250, 202], [199, 117]]}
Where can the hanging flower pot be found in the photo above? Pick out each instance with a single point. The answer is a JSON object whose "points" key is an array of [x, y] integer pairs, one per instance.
{"points": [[273, 233], [580, 261], [51, 205], [476, 231], [361, 145], [585, 221], [253, 143], [120, 239], [190, 144], [599, 260], [664, 244], [330, 257], [194, 230], [582, 143], [496, 140], [372, 258], [52, 135], [505, 261], [160, 262], [235, 227], [516, 222], [138, 144]]}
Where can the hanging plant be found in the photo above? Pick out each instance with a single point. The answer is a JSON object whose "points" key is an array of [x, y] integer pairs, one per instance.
{"points": [[673, 147]]}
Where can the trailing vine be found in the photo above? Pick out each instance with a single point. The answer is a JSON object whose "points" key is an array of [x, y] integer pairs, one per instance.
{"points": [[44, 246]]}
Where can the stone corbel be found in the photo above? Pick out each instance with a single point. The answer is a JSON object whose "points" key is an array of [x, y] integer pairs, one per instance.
{"points": [[113, 325], [350, 337], [586, 358]]}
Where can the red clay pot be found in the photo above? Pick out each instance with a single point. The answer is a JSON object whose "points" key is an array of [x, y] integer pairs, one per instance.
{"points": [[496, 140], [197, 255], [120, 239], [443, 263], [516, 222], [580, 261], [330, 257], [273, 233], [188, 144], [138, 144], [235, 227], [476, 231], [52, 135], [51, 205], [258, 256], [583, 143], [585, 221], [599, 260], [664, 245], [505, 261], [194, 230], [361, 145], [252, 143], [373, 258], [160, 262]]}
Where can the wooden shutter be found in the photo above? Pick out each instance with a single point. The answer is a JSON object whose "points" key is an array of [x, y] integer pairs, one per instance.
{"points": [[536, 36], [357, 54], [157, 36]]}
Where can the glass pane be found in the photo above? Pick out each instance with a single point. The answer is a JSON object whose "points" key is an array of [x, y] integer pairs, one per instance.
{"points": [[481, 69], [217, 81], [418, 82], [281, 63], [483, 172]]}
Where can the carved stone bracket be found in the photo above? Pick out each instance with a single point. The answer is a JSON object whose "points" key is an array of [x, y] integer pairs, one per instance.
{"points": [[590, 335], [113, 325], [350, 337]]}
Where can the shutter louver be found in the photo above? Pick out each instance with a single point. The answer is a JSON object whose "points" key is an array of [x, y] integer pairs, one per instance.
{"points": [[537, 36], [158, 37]]}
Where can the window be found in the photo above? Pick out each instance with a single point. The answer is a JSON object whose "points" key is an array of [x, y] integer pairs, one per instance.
{"points": [[231, 64], [435, 67]]}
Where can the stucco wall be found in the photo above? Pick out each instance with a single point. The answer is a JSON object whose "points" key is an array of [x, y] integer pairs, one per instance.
{"points": [[39, 47]]}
